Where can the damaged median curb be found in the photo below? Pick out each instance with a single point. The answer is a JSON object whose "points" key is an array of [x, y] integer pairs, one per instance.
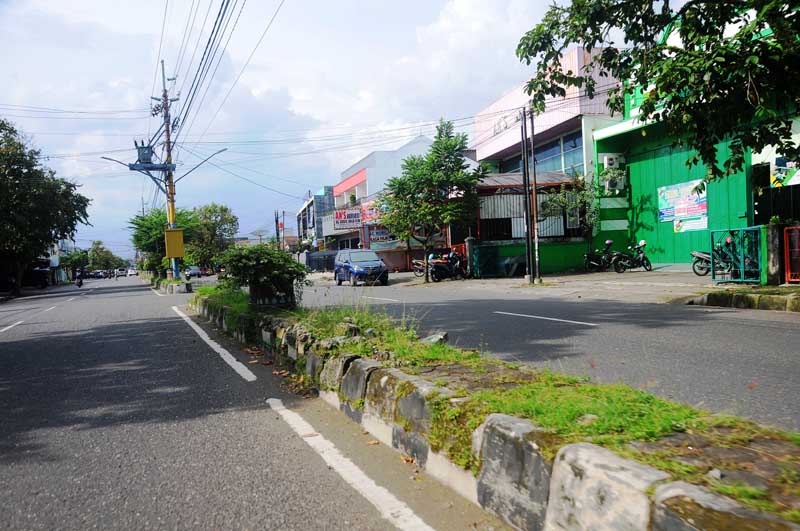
{"points": [[746, 301], [584, 486]]}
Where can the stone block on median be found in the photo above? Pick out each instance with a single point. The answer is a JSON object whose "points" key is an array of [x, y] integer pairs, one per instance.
{"points": [[332, 372], [514, 482], [680, 506], [793, 304], [413, 408], [594, 488], [314, 364]]}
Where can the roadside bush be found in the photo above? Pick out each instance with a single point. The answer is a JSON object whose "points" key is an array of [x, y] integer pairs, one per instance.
{"points": [[272, 275]]}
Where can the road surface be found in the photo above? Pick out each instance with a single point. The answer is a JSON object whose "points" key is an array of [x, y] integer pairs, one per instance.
{"points": [[743, 362], [115, 414]]}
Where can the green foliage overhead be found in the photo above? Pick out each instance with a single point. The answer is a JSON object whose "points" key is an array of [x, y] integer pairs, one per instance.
{"points": [[580, 201], [729, 71], [75, 260], [433, 191], [266, 269], [36, 208]]}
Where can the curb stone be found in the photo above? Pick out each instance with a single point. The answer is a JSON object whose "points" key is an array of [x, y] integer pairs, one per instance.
{"points": [[594, 488], [514, 481]]}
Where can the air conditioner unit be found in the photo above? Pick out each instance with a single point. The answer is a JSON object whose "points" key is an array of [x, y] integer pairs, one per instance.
{"points": [[612, 160], [615, 184]]}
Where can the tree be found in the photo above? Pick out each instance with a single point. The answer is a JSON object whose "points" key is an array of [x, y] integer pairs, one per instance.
{"points": [[271, 273], [102, 258], [74, 261], [148, 233], [36, 208], [581, 203], [731, 73], [216, 229], [433, 191]]}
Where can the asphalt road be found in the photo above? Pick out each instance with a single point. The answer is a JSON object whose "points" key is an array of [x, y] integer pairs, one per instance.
{"points": [[740, 362], [114, 414]]}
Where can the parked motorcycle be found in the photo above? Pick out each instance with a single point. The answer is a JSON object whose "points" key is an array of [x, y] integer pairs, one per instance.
{"points": [[631, 260], [79, 282], [599, 260], [724, 259], [418, 266], [450, 267]]}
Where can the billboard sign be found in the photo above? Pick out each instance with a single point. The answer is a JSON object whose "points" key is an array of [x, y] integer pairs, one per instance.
{"points": [[347, 219]]}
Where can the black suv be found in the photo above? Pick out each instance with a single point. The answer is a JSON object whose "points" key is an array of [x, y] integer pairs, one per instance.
{"points": [[354, 265]]}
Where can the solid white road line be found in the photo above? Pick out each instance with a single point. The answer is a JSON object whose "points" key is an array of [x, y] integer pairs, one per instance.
{"points": [[9, 327], [392, 509], [381, 299], [547, 318], [50, 308], [157, 293], [226, 356]]}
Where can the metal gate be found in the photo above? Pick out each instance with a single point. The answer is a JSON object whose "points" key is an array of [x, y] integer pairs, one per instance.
{"points": [[736, 255], [791, 246]]}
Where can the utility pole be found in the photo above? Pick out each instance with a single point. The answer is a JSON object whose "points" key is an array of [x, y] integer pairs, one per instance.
{"points": [[537, 279], [529, 267], [283, 233], [170, 182]]}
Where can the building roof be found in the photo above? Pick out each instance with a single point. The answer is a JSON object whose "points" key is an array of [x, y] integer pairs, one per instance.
{"points": [[514, 179]]}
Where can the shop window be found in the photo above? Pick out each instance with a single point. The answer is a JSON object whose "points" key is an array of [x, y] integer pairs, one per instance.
{"points": [[513, 164]]}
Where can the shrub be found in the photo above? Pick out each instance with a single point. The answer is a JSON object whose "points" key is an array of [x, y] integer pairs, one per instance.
{"points": [[271, 273]]}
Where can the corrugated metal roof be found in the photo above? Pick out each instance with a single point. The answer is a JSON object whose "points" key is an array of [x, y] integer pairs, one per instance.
{"points": [[513, 179]]}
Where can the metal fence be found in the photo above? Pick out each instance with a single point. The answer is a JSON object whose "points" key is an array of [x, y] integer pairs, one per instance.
{"points": [[791, 246], [736, 255], [490, 261]]}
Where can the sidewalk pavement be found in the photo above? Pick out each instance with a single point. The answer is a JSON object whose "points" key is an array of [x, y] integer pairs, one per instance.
{"points": [[30, 291], [665, 283]]}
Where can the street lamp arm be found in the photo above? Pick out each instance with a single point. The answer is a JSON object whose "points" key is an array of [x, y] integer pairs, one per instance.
{"points": [[200, 164]]}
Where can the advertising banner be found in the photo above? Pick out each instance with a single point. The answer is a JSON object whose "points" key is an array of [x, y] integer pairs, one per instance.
{"points": [[370, 213], [681, 205], [347, 219]]}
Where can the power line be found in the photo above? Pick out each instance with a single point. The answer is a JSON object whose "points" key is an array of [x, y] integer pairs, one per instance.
{"points": [[186, 35], [225, 99], [196, 44], [219, 57], [201, 67], [50, 110], [158, 57]]}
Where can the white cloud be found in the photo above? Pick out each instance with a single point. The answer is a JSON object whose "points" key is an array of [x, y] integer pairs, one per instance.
{"points": [[325, 69]]}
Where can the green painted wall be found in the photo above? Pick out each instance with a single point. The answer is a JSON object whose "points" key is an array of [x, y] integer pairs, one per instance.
{"points": [[652, 163], [554, 257]]}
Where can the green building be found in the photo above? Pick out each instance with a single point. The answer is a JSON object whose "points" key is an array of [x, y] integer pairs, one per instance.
{"points": [[656, 202]]}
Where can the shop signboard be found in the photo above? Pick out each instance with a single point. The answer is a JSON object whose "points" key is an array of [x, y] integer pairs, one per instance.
{"points": [[347, 219], [370, 212], [379, 235], [683, 206]]}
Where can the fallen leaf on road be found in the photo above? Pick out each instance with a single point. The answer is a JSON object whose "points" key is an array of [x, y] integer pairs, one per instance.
{"points": [[373, 442], [313, 434], [752, 385], [253, 361]]}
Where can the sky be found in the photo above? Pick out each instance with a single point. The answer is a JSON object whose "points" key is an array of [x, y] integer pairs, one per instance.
{"points": [[329, 83]]}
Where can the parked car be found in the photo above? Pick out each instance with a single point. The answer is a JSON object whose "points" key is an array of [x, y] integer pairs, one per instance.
{"points": [[357, 265], [204, 271], [121, 272], [132, 272], [193, 271]]}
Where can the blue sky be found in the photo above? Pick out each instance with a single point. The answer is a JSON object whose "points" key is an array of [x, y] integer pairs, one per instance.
{"points": [[331, 82]]}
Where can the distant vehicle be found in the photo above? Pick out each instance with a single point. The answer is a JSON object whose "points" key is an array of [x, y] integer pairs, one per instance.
{"points": [[132, 272], [121, 272], [354, 265], [193, 271], [204, 271]]}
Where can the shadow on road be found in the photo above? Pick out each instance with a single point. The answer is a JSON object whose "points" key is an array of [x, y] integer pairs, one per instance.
{"points": [[149, 371]]}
